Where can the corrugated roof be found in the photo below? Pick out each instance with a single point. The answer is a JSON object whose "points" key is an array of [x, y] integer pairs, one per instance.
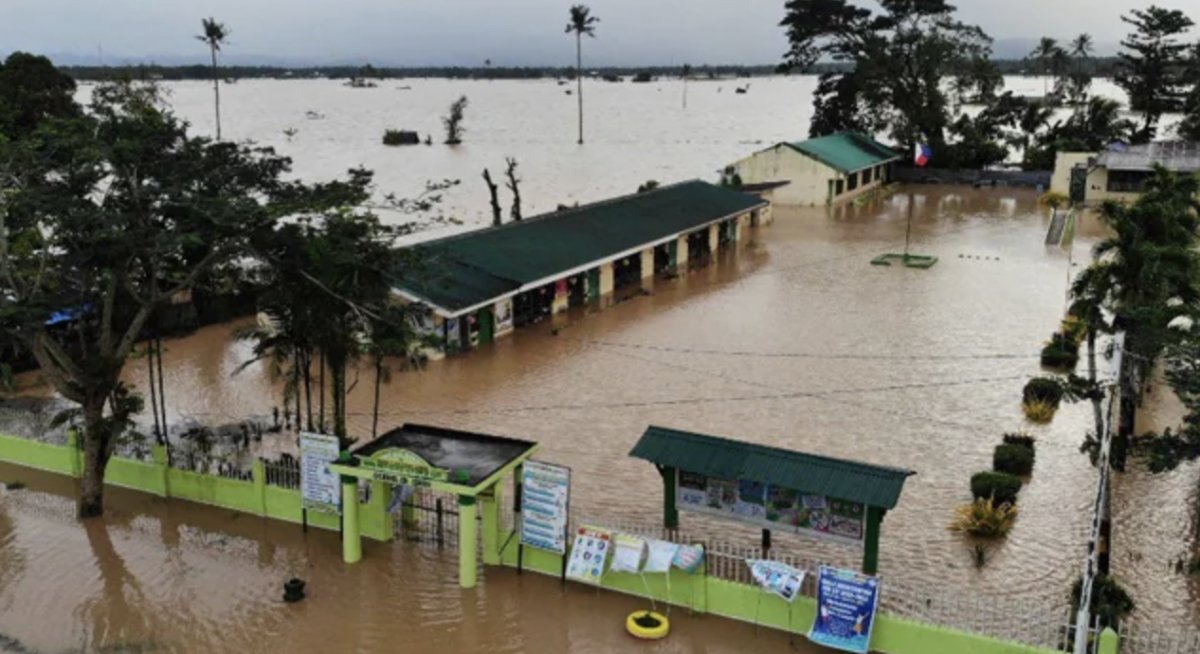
{"points": [[846, 151], [723, 458], [1176, 156], [468, 269]]}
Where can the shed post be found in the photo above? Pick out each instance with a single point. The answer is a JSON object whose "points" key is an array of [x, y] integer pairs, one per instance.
{"points": [[870, 564], [670, 512], [466, 541], [351, 538]]}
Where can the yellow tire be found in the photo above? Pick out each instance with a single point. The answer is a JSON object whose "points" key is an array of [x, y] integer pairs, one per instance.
{"points": [[659, 629]]}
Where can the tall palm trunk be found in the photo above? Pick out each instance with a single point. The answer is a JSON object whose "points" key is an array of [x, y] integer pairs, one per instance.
{"points": [[321, 397], [375, 409], [216, 90], [579, 80], [96, 451], [308, 388]]}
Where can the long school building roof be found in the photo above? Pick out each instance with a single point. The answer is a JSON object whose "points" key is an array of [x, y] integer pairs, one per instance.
{"points": [[462, 272]]}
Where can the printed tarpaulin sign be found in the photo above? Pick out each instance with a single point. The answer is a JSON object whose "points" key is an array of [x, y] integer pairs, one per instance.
{"points": [[627, 553], [776, 577], [320, 488], [688, 558], [846, 604], [545, 497], [661, 554], [588, 555]]}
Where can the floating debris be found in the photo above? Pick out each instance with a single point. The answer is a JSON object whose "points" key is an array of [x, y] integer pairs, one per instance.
{"points": [[293, 590]]}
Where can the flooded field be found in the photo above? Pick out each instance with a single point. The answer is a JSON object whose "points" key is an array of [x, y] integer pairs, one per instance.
{"points": [[794, 340]]}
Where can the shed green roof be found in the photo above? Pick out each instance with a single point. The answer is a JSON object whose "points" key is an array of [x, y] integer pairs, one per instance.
{"points": [[846, 151], [723, 458], [466, 270]]}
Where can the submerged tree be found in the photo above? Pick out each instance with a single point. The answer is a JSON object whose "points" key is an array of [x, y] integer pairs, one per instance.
{"points": [[493, 191], [582, 22], [396, 333], [214, 36], [514, 184], [1151, 66], [1189, 128], [900, 57], [453, 121], [1048, 57], [106, 217]]}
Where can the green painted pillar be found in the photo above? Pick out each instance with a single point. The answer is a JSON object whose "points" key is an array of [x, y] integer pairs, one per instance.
{"points": [[351, 538], [870, 564], [466, 541], [490, 523], [76, 453], [1109, 642], [670, 512], [158, 454], [382, 528]]}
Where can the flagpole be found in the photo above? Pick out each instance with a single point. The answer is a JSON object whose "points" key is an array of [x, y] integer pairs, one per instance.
{"points": [[908, 227]]}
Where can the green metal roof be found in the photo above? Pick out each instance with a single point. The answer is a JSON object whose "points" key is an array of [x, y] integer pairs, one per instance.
{"points": [[469, 269], [723, 458], [846, 151]]}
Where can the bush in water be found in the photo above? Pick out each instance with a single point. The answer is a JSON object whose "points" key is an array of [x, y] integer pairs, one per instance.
{"points": [[984, 518], [1013, 459], [1001, 487]]}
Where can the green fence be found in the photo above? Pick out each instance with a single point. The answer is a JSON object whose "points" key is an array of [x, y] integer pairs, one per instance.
{"points": [[156, 477]]}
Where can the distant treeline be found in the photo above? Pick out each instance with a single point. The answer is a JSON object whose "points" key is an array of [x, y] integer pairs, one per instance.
{"points": [[1099, 67]]}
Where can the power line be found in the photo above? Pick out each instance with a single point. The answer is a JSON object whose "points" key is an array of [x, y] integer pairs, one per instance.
{"points": [[806, 355]]}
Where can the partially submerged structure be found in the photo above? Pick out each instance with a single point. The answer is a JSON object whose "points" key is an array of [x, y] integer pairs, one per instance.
{"points": [[825, 170], [1120, 172], [482, 284]]}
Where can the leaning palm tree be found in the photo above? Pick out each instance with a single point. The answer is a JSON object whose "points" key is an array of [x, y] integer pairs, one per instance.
{"points": [[1081, 46], [214, 35], [396, 332], [582, 22]]}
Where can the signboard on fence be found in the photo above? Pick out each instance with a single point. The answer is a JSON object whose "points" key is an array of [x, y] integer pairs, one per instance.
{"points": [[397, 465], [846, 604], [545, 505], [772, 507], [320, 488], [775, 577], [589, 554]]}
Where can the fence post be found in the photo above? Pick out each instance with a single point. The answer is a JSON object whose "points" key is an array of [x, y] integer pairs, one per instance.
{"points": [[258, 473], [1109, 641], [466, 540]]}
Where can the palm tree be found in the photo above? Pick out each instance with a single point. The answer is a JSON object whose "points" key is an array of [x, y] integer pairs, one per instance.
{"points": [[395, 333], [214, 35], [1081, 46], [1044, 54], [582, 22]]}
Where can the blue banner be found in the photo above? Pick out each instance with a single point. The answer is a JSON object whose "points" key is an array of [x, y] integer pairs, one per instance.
{"points": [[846, 603]]}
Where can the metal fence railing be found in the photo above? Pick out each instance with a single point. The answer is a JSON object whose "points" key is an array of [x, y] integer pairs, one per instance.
{"points": [[283, 472], [1146, 639]]}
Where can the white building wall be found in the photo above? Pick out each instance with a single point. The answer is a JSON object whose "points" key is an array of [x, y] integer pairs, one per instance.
{"points": [[809, 178]]}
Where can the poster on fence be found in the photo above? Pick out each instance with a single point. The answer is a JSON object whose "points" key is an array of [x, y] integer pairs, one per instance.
{"points": [[320, 488], [776, 577], [846, 604], [588, 555], [628, 551], [545, 504], [660, 555]]}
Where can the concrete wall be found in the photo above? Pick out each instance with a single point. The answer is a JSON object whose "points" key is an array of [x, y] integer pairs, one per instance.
{"points": [[1060, 179], [1097, 189], [809, 179]]}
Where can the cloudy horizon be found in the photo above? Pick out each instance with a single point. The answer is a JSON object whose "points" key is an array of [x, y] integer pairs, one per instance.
{"points": [[468, 32]]}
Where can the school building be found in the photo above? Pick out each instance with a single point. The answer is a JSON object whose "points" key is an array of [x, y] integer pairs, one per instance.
{"points": [[825, 170]]}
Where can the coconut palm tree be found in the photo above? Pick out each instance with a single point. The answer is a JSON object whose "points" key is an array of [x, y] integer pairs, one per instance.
{"points": [[395, 333], [1081, 46], [582, 22], [215, 35], [1044, 54]]}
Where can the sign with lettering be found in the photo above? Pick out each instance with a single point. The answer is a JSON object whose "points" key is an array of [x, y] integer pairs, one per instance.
{"points": [[846, 605], [545, 502], [320, 488], [398, 466], [589, 554], [772, 507]]}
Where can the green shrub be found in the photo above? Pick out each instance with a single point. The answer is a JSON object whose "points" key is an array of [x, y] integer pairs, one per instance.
{"points": [[1038, 412], [983, 518], [1001, 487], [400, 137], [1110, 602], [1022, 439], [1013, 459], [1061, 353], [1043, 389]]}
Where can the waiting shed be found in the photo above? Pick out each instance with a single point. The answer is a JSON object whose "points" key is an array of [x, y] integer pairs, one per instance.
{"points": [[466, 464], [777, 489]]}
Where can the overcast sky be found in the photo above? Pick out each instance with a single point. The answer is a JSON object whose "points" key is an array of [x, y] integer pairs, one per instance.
{"points": [[465, 32]]}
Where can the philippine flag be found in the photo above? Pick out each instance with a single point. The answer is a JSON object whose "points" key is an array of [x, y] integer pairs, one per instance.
{"points": [[921, 154]]}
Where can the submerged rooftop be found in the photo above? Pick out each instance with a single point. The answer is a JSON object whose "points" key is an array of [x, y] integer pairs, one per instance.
{"points": [[846, 151], [473, 456], [1176, 156], [467, 270]]}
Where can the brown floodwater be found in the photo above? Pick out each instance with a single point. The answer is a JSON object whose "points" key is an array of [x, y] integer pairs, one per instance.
{"points": [[794, 340]]}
